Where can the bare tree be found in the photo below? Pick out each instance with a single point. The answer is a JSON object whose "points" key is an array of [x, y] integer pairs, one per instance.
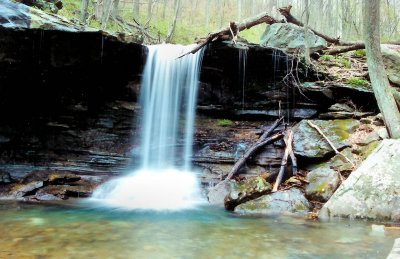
{"points": [[173, 26], [376, 68], [136, 8], [306, 32], [84, 10]]}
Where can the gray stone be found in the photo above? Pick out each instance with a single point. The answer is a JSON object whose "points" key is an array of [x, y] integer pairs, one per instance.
{"points": [[373, 190], [217, 194], [291, 201], [339, 164], [369, 138], [290, 38], [308, 143], [391, 58], [322, 184]]}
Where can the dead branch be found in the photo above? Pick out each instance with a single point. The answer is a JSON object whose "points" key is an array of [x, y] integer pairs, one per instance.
{"points": [[262, 141], [334, 51], [124, 24], [288, 150], [329, 142], [244, 25], [285, 11]]}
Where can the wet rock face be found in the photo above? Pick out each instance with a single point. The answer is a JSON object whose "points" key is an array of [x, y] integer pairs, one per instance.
{"points": [[246, 81], [291, 201], [66, 96], [372, 191], [51, 185]]}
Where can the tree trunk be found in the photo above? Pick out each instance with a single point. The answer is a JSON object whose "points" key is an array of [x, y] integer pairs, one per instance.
{"points": [[207, 13], [306, 34], [376, 68], [164, 8], [221, 12], [136, 8], [115, 10], [239, 8], [172, 29], [84, 10], [99, 10], [149, 9]]}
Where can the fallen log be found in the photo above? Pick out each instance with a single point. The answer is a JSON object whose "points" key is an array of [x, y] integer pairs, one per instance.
{"points": [[262, 141], [233, 28], [288, 150], [334, 51]]}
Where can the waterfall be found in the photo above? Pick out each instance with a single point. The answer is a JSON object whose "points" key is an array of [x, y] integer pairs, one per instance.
{"points": [[168, 103]]}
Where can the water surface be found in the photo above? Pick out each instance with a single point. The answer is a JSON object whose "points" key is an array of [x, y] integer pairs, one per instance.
{"points": [[80, 231]]}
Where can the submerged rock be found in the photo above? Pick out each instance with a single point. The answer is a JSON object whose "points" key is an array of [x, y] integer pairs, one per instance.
{"points": [[291, 38], [247, 190], [322, 184], [372, 191], [308, 143], [291, 201]]}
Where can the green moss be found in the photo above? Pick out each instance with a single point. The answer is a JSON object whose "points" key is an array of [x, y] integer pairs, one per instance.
{"points": [[321, 188], [300, 207], [354, 81], [327, 57], [359, 53], [367, 150], [344, 62], [224, 123]]}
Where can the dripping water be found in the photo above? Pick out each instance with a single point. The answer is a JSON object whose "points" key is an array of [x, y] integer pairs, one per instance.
{"points": [[242, 71]]}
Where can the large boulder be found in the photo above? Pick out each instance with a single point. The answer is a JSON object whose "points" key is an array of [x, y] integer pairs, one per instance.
{"points": [[391, 58], [322, 183], [373, 190], [291, 201], [308, 143], [246, 190], [290, 38]]}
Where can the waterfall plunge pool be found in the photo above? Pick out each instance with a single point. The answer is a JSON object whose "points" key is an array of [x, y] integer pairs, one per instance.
{"points": [[78, 230]]}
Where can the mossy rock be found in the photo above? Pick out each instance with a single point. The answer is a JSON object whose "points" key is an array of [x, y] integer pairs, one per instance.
{"points": [[291, 201], [322, 184], [247, 190], [308, 143]]}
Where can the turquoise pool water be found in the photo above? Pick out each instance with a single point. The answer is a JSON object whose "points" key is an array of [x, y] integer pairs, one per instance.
{"points": [[77, 230]]}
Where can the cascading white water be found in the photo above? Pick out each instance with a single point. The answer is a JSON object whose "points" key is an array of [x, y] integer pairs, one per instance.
{"points": [[168, 100]]}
